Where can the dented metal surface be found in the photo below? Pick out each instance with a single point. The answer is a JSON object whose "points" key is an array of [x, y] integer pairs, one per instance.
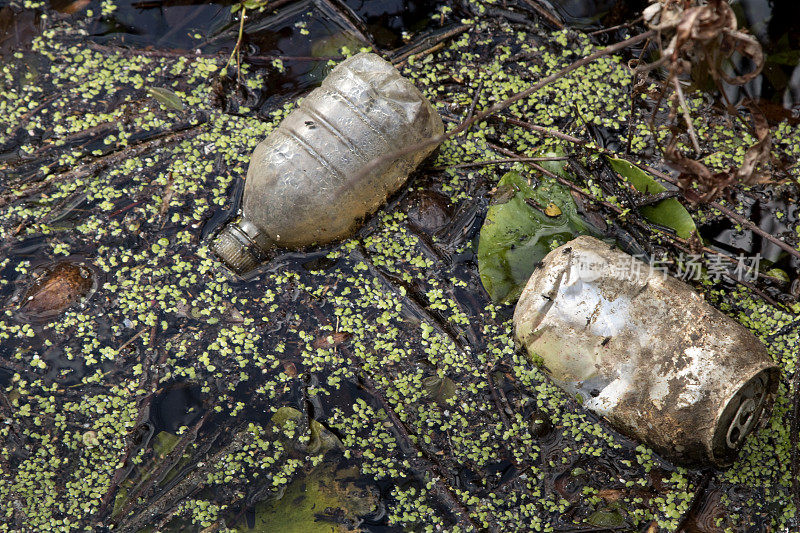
{"points": [[645, 351]]}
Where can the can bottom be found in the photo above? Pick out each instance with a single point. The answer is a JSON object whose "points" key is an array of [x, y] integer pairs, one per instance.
{"points": [[741, 414]]}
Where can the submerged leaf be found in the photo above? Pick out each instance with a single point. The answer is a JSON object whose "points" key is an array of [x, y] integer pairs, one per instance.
{"points": [[669, 212], [326, 501], [552, 210], [321, 439], [522, 226], [606, 518], [440, 389], [167, 98]]}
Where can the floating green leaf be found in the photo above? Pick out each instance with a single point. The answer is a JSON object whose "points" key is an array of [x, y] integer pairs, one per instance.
{"points": [[521, 227], [669, 212], [167, 98]]}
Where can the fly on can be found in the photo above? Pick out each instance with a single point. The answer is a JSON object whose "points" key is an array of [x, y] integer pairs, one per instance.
{"points": [[645, 351]]}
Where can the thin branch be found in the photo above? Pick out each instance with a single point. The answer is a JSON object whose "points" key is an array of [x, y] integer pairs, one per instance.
{"points": [[544, 13], [237, 48], [428, 44], [687, 117], [793, 438], [651, 199], [697, 501], [101, 163], [501, 161], [378, 162], [474, 103], [437, 472], [496, 398], [736, 217], [630, 24]]}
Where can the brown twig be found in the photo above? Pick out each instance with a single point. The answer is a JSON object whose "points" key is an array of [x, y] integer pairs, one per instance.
{"points": [[437, 473], [253, 59], [496, 398], [635, 88], [697, 501], [544, 13], [630, 24], [755, 229], [378, 162], [651, 199], [474, 103], [116, 49], [129, 341], [550, 132], [793, 438], [501, 161], [429, 44], [103, 162], [166, 465], [739, 219], [687, 117]]}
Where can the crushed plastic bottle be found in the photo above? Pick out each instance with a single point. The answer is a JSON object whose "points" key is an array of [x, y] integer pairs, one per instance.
{"points": [[300, 189], [646, 352]]}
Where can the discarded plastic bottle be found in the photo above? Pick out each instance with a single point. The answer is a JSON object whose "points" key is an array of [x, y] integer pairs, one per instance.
{"points": [[646, 352], [300, 189]]}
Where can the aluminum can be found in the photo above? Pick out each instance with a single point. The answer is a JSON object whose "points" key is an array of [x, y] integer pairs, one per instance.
{"points": [[645, 351], [300, 187]]}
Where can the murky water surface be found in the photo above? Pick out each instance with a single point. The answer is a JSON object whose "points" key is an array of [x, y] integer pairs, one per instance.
{"points": [[304, 36]]}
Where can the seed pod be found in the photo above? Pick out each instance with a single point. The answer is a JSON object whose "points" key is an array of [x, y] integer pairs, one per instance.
{"points": [[300, 189], [645, 351]]}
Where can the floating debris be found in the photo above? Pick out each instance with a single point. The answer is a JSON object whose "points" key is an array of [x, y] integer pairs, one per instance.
{"points": [[57, 288], [645, 351], [300, 187]]}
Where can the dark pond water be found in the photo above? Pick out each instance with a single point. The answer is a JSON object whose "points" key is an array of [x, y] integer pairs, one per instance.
{"points": [[385, 24]]}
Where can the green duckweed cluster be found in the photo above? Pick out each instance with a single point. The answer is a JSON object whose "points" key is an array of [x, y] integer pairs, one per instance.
{"points": [[384, 346]]}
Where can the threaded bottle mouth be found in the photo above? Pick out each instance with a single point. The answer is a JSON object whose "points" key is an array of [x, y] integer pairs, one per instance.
{"points": [[235, 249]]}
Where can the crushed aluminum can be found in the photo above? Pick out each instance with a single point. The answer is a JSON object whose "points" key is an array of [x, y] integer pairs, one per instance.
{"points": [[645, 352]]}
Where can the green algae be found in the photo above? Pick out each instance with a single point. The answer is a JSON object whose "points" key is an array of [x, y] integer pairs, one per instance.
{"points": [[382, 305]]}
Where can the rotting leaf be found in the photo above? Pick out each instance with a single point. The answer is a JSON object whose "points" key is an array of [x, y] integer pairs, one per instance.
{"points": [[552, 210], [167, 98], [164, 443], [59, 287], [440, 389], [516, 235], [331, 340], [669, 212]]}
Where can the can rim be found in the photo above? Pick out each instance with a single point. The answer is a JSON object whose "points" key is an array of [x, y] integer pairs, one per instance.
{"points": [[739, 414]]}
